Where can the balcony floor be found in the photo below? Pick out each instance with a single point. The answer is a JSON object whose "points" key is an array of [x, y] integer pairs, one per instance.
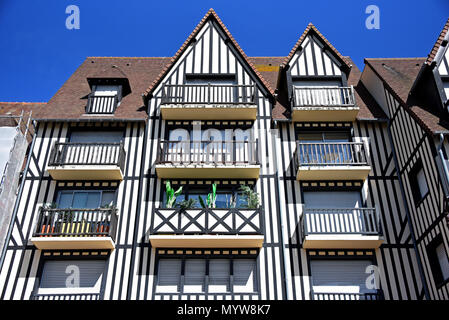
{"points": [[69, 172], [332, 173], [169, 171], [322, 113], [73, 243], [209, 111], [342, 242], [206, 241]]}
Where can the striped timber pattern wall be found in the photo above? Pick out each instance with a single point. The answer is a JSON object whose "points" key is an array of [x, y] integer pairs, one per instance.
{"points": [[210, 54], [427, 217], [399, 275], [22, 260], [443, 68], [314, 60]]}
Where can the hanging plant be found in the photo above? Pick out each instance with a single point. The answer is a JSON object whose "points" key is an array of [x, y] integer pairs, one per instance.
{"points": [[171, 195]]}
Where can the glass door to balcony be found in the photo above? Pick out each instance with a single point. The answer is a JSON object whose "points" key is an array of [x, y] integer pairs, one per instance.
{"points": [[211, 89], [318, 93], [325, 148], [85, 199]]}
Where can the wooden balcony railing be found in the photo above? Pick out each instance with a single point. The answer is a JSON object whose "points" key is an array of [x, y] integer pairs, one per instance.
{"points": [[323, 97], [347, 296], [208, 153], [97, 104], [208, 94], [331, 154], [76, 223], [353, 221], [88, 154], [207, 221]]}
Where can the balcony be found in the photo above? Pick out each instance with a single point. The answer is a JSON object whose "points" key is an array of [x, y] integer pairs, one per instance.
{"points": [[209, 102], [87, 161], [75, 229], [341, 229], [206, 228], [348, 296], [323, 104], [101, 104], [208, 159], [331, 161]]}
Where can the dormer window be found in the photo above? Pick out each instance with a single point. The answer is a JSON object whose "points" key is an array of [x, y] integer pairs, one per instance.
{"points": [[104, 99]]}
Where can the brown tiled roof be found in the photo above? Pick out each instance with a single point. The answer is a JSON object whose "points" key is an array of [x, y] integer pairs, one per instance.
{"points": [[70, 100], [438, 43], [398, 73], [398, 76], [16, 108], [309, 28], [210, 14]]}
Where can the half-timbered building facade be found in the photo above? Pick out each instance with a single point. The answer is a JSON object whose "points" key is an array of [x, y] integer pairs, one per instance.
{"points": [[212, 175]]}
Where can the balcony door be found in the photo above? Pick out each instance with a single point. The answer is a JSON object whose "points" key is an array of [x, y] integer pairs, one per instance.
{"points": [[93, 147], [325, 148], [318, 92], [221, 90], [79, 199], [330, 278]]}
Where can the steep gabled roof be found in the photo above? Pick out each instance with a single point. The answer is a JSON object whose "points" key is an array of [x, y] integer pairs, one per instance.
{"points": [[209, 15], [312, 28], [436, 47]]}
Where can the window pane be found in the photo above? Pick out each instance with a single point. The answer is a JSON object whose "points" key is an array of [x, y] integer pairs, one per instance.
{"points": [[108, 198], [422, 184], [65, 200], [93, 200], [224, 200], [169, 275], [443, 260], [194, 275], [79, 200], [219, 273], [245, 275]]}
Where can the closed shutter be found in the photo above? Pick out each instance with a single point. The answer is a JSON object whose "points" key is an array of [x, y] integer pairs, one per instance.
{"points": [[194, 275], [169, 275], [340, 276], [219, 275], [96, 136], [332, 200], [71, 276], [443, 260], [245, 275]]}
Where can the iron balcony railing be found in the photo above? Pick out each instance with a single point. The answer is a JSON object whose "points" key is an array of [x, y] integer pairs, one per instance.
{"points": [[331, 154], [378, 295], [323, 97], [208, 94], [352, 221], [101, 104], [207, 221], [67, 296], [88, 154], [76, 223], [208, 153]]}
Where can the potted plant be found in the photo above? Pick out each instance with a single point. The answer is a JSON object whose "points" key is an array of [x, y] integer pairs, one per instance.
{"points": [[251, 197], [171, 195]]}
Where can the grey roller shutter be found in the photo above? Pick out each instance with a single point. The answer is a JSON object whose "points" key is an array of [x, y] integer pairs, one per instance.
{"points": [[245, 275], [169, 274], [340, 275], [219, 275], [194, 275], [96, 136], [63, 275], [332, 200]]}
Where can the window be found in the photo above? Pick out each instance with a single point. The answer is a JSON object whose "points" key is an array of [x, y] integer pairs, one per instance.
{"points": [[418, 182], [80, 199], [106, 90], [323, 92], [438, 259], [221, 90], [446, 88], [223, 276], [332, 199], [340, 276], [71, 276], [96, 136]]}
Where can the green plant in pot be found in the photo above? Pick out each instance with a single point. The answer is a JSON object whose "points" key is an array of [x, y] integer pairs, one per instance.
{"points": [[210, 200], [251, 197], [187, 204], [171, 195]]}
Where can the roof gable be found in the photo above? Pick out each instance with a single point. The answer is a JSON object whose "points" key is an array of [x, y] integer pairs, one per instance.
{"points": [[433, 53], [302, 42], [209, 26]]}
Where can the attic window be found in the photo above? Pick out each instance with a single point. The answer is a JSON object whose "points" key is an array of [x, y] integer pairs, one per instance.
{"points": [[104, 99]]}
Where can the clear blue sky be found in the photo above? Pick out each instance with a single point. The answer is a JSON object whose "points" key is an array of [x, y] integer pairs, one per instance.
{"points": [[38, 53]]}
